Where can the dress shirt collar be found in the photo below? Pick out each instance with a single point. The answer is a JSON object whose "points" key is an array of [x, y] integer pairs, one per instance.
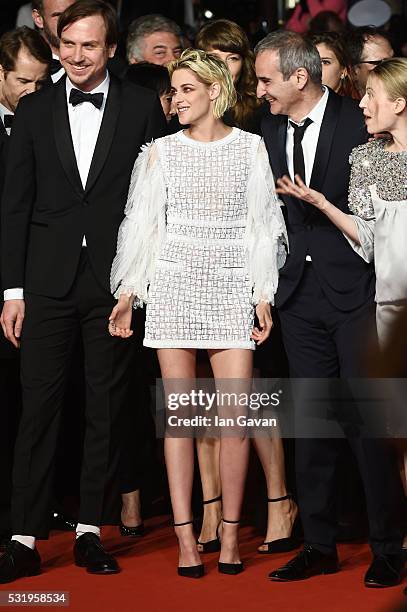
{"points": [[102, 88], [4, 111], [317, 113]]}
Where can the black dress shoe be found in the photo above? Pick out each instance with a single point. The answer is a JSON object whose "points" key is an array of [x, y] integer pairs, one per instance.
{"points": [[60, 522], [89, 553], [132, 532], [18, 561], [384, 571], [309, 562]]}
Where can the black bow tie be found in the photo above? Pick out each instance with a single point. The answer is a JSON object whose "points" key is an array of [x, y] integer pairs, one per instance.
{"points": [[8, 121], [55, 66], [77, 97]]}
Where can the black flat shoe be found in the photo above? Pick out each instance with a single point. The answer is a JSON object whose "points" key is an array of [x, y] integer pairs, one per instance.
{"points": [[89, 553], [283, 544], [232, 569], [191, 571], [132, 532], [212, 545], [309, 562], [384, 571], [18, 561]]}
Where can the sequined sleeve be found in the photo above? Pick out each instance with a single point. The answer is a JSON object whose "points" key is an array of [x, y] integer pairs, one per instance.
{"points": [[363, 174]]}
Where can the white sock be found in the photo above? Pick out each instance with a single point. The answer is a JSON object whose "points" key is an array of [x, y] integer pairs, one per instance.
{"points": [[81, 529], [26, 540]]}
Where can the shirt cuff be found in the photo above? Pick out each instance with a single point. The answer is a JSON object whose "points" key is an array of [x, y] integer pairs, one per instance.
{"points": [[14, 294]]}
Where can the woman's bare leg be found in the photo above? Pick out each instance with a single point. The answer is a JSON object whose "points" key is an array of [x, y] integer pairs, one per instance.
{"points": [[234, 450], [178, 365], [208, 450], [281, 515]]}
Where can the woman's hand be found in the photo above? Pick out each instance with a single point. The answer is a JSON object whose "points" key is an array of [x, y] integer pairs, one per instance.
{"points": [[301, 191], [263, 313], [120, 318]]}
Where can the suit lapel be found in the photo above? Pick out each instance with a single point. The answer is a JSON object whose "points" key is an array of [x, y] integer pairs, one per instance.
{"points": [[325, 140], [106, 132], [63, 138], [275, 143], [3, 131]]}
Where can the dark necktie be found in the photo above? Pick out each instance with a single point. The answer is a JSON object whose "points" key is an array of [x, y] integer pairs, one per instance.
{"points": [[8, 121], [77, 97], [298, 154], [55, 66]]}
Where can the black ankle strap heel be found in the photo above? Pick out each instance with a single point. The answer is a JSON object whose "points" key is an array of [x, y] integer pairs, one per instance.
{"points": [[232, 569], [212, 545], [283, 544], [191, 571]]}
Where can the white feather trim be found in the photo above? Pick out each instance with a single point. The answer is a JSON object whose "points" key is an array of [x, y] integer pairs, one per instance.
{"points": [[142, 230], [266, 234]]}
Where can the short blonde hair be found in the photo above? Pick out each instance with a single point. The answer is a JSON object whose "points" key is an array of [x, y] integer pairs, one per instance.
{"points": [[393, 74], [208, 69]]}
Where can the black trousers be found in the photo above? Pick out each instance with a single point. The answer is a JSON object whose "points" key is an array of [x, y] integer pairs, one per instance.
{"points": [[10, 411], [48, 337], [323, 342]]}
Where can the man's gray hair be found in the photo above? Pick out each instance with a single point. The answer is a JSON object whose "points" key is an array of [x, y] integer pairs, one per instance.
{"points": [[144, 26], [294, 52]]}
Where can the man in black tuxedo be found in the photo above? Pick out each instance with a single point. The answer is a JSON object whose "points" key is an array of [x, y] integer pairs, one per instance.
{"points": [[24, 64], [325, 297], [70, 161]]}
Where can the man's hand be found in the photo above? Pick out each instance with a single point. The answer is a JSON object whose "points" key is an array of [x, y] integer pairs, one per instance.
{"points": [[12, 319]]}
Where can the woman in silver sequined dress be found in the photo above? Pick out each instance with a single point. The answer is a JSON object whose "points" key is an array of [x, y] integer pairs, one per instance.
{"points": [[201, 245], [377, 229]]}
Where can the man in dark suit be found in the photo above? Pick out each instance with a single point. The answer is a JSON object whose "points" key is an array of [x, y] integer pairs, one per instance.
{"points": [[24, 65], [70, 161], [325, 297]]}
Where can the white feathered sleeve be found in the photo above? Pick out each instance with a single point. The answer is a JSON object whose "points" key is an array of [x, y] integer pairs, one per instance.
{"points": [[266, 232], [141, 231]]}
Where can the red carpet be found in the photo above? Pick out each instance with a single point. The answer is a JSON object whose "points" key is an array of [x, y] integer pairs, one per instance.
{"points": [[149, 583]]}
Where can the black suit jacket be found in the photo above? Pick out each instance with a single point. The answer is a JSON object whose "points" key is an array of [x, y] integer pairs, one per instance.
{"points": [[346, 279], [7, 350], [46, 211]]}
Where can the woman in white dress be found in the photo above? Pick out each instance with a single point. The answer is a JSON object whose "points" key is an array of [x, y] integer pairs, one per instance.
{"points": [[201, 245]]}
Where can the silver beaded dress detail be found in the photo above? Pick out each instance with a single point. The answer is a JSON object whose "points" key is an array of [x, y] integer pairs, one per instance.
{"points": [[202, 240], [378, 199]]}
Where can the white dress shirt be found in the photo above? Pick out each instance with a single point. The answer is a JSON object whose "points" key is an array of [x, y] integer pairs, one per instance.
{"points": [[5, 111], [57, 75], [85, 121], [309, 141], [310, 138]]}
